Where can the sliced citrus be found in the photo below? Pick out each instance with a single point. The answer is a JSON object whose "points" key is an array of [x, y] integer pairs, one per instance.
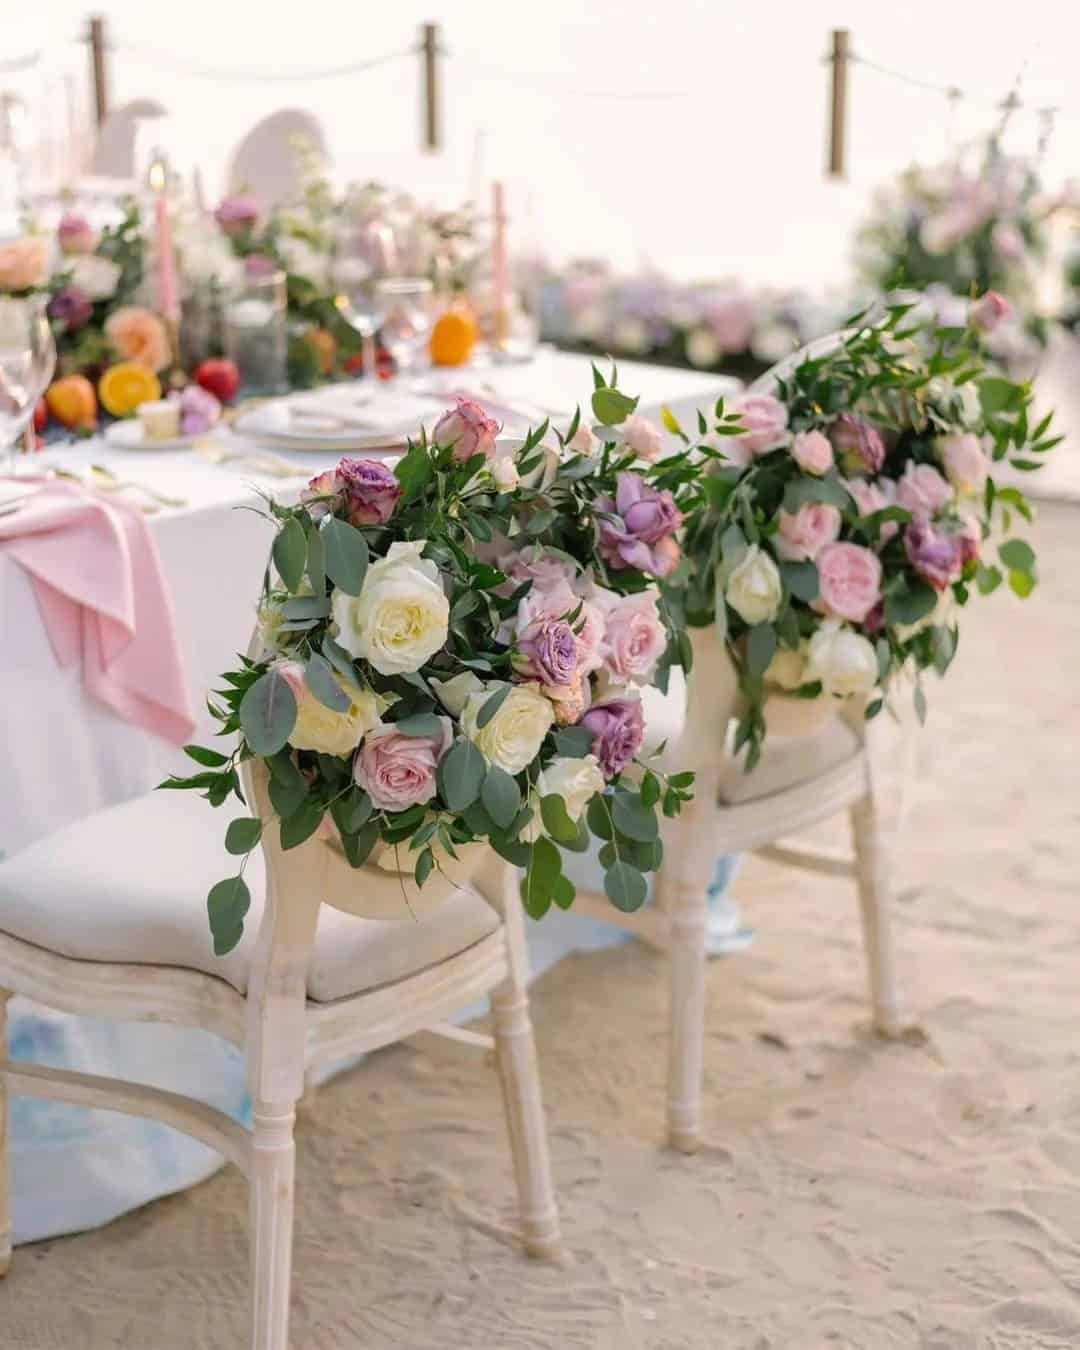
{"points": [[127, 384], [453, 338]]}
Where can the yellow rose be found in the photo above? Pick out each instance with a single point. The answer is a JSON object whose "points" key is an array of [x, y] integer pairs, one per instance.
{"points": [[401, 617], [512, 739]]}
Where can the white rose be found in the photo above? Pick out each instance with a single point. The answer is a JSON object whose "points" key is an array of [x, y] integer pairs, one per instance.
{"points": [[96, 277], [303, 260], [754, 589], [844, 661], [787, 669], [505, 473], [576, 781], [401, 617], [320, 728], [512, 739], [702, 348]]}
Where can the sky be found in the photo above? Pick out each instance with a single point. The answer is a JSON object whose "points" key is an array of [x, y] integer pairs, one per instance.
{"points": [[689, 135]]}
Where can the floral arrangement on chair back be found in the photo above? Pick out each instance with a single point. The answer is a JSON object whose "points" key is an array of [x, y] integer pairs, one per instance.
{"points": [[852, 510], [452, 651]]}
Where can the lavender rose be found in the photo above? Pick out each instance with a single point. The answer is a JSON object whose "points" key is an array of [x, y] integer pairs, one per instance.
{"points": [[236, 215], [71, 307], [618, 728], [371, 491], [199, 410], [858, 444], [938, 557], [547, 650], [467, 431], [635, 528]]}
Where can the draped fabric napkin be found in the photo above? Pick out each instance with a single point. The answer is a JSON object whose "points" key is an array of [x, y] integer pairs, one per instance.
{"points": [[98, 582]]}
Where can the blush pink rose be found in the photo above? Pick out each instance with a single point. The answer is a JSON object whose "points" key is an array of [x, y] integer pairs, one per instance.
{"points": [[467, 430], [966, 465], [398, 771], [75, 234], [635, 637], [643, 437], [922, 490], [23, 263], [812, 452], [849, 581], [765, 421], [138, 335], [802, 535], [990, 311], [873, 497]]}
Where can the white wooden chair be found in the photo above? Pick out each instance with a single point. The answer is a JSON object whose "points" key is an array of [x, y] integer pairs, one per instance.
{"points": [[114, 147], [107, 918], [265, 165]]}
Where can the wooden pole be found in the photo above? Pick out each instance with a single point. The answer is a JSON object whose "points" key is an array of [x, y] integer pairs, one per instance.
{"points": [[96, 39], [429, 49], [841, 55]]}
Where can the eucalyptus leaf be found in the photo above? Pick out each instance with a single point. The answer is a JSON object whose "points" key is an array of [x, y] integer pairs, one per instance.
{"points": [[268, 713], [316, 563], [346, 555], [625, 887], [358, 846], [289, 552], [760, 649], [556, 820], [544, 867], [242, 835], [425, 862], [634, 819], [500, 796], [573, 742], [420, 724], [461, 774], [306, 607], [320, 680], [907, 606], [226, 905], [301, 825], [801, 579], [492, 704], [1018, 556]]}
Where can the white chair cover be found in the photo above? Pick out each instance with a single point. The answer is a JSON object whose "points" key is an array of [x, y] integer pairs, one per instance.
{"points": [[114, 150], [265, 165]]}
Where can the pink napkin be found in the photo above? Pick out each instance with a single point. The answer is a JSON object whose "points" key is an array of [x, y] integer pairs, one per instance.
{"points": [[98, 581]]}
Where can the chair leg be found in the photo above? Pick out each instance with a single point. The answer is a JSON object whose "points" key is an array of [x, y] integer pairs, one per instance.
{"points": [[519, 1075], [687, 908], [872, 880], [271, 1210], [5, 1215]]}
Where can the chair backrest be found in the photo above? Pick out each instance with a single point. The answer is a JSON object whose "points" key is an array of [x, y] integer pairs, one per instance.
{"points": [[267, 164], [114, 149]]}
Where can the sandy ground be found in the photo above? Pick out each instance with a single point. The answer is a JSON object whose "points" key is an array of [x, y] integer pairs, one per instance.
{"points": [[853, 1194]]}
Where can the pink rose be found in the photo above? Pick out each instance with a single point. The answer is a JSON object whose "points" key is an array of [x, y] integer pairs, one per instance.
{"points": [[802, 536], [467, 430], [990, 311], [1008, 240], [535, 563], [849, 581], [635, 637], [922, 490], [871, 498], [643, 437], [371, 491], [237, 215], [858, 444], [583, 441], [23, 263], [966, 465], [812, 452], [139, 335], [398, 771], [75, 234], [970, 540], [764, 419]]}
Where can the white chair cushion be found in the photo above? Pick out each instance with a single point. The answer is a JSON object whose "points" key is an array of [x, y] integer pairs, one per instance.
{"points": [[786, 761], [129, 885]]}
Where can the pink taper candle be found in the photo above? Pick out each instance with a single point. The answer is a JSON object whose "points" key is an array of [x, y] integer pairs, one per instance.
{"points": [[500, 269], [168, 288]]}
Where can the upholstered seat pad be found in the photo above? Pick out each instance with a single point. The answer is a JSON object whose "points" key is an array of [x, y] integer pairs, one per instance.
{"points": [[129, 885]]}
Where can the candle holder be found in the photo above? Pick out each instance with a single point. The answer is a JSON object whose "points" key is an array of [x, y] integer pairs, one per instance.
{"points": [[256, 335]]}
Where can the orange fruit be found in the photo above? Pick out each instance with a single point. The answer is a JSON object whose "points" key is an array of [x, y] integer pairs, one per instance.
{"points": [[72, 401], [453, 338], [325, 346], [127, 384]]}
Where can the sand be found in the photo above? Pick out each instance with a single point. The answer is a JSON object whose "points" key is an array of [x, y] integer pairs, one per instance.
{"points": [[853, 1194]]}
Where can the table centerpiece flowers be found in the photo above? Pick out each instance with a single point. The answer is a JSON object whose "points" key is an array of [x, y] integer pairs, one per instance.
{"points": [[851, 511], [452, 651]]}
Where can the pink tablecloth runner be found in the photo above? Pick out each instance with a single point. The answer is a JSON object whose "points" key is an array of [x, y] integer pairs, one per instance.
{"points": [[103, 599]]}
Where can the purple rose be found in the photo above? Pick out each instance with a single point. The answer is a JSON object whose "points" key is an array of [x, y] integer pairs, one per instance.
{"points": [[371, 491], [618, 728], [635, 528], [199, 410], [71, 307], [938, 557], [858, 444], [548, 651], [236, 215]]}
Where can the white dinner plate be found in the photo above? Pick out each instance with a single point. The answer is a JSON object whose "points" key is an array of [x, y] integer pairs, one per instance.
{"points": [[337, 420], [129, 434]]}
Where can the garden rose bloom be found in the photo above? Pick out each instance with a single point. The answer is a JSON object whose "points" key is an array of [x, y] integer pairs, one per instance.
{"points": [[858, 444], [512, 739], [802, 536], [139, 336], [468, 430], [401, 617], [371, 491], [970, 537], [1008, 240], [398, 771], [618, 729], [75, 234], [754, 589], [787, 669], [990, 311], [328, 484], [643, 437], [844, 661], [320, 728], [96, 277], [547, 650], [936, 555], [873, 497], [567, 700], [549, 602], [635, 638], [235, 215], [636, 522], [812, 452], [199, 410], [576, 781], [70, 307], [849, 580], [765, 421], [966, 465], [23, 263], [583, 441], [922, 490], [505, 473], [259, 265], [537, 564]]}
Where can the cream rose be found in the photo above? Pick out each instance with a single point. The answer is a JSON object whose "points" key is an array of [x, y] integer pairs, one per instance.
{"points": [[96, 277], [576, 781], [512, 739], [754, 589], [320, 728], [843, 660], [401, 617], [787, 669]]}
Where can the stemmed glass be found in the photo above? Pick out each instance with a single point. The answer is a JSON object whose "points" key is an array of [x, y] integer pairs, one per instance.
{"points": [[27, 361], [406, 306], [365, 253]]}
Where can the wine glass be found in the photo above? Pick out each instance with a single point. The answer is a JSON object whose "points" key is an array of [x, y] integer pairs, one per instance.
{"points": [[406, 305], [364, 253], [27, 361]]}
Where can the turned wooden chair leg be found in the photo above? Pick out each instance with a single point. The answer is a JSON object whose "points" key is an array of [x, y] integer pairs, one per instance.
{"points": [[271, 1209], [872, 880], [687, 908], [5, 1214]]}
